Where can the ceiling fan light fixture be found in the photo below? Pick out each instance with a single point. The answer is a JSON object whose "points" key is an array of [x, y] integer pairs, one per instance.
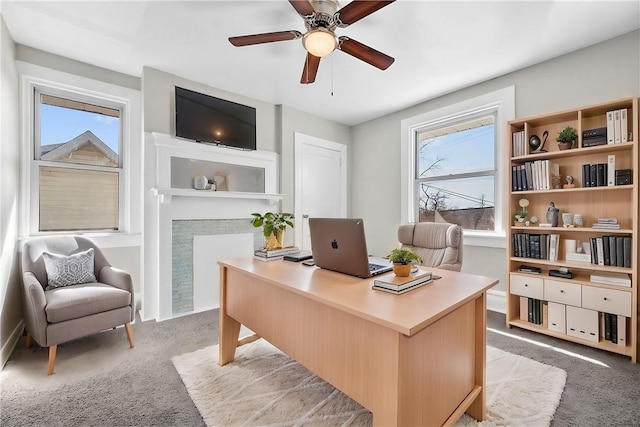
{"points": [[319, 42]]}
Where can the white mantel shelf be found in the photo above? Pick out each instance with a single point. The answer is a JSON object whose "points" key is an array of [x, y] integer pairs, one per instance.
{"points": [[166, 194]]}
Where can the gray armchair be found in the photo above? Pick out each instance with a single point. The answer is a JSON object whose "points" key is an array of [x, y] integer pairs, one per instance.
{"points": [[438, 244], [65, 313]]}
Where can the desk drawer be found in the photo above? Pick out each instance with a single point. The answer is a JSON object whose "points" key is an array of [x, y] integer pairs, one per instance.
{"points": [[526, 286], [607, 300], [563, 292]]}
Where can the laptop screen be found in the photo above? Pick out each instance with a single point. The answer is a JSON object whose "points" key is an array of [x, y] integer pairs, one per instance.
{"points": [[339, 244]]}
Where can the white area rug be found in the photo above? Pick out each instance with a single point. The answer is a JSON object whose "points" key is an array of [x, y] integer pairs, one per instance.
{"points": [[263, 386]]}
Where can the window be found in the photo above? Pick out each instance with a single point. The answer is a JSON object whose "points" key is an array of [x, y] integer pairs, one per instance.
{"points": [[77, 146], [455, 172], [452, 166]]}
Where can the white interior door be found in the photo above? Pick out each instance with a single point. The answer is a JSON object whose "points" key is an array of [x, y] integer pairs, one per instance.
{"points": [[320, 183]]}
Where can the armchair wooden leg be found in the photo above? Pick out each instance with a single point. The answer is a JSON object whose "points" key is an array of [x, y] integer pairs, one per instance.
{"points": [[29, 341], [52, 357], [127, 327]]}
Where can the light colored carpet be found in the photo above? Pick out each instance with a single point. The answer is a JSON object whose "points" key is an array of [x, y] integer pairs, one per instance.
{"points": [[263, 386]]}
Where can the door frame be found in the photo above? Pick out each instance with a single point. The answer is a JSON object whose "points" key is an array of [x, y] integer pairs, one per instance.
{"points": [[300, 140]]}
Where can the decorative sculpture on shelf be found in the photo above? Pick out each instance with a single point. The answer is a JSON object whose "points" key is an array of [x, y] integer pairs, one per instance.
{"points": [[552, 214]]}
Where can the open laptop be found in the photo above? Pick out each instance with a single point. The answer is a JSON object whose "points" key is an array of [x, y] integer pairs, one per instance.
{"points": [[339, 244]]}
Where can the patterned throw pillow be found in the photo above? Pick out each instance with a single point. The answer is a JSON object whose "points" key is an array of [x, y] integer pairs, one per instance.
{"points": [[65, 270]]}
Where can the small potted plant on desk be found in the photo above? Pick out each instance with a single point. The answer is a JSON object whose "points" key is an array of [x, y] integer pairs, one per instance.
{"points": [[402, 259], [273, 227]]}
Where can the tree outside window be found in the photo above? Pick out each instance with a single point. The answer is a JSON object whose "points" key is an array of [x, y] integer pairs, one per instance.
{"points": [[456, 173]]}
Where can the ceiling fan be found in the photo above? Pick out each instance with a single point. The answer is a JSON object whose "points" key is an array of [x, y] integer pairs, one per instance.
{"points": [[321, 18]]}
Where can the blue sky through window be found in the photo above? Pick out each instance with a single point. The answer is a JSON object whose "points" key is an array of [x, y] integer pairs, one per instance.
{"points": [[466, 151], [59, 125]]}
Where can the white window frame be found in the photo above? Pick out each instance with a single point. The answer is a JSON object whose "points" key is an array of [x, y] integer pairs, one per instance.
{"points": [[34, 77], [502, 102]]}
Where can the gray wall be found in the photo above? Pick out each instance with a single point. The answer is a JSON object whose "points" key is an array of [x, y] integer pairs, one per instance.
{"points": [[293, 121], [10, 283], [599, 73], [158, 106]]}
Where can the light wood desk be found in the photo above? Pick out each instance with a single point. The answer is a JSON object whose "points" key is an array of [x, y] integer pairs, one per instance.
{"points": [[412, 359]]}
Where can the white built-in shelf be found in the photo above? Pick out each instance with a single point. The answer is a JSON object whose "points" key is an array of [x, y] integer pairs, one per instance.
{"points": [[168, 193]]}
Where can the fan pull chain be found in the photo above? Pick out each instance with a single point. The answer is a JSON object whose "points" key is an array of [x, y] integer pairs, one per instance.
{"points": [[332, 74]]}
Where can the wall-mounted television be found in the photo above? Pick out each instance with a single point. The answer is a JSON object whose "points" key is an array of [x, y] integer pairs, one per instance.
{"points": [[204, 118]]}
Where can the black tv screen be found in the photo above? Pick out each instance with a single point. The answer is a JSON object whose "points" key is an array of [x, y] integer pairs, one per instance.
{"points": [[204, 118]]}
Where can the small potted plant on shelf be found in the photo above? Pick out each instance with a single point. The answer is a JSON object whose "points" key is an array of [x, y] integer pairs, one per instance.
{"points": [[402, 259], [273, 227], [566, 138]]}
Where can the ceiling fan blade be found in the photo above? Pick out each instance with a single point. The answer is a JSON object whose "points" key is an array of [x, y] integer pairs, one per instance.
{"points": [[365, 53], [310, 69], [356, 10], [303, 7], [265, 38]]}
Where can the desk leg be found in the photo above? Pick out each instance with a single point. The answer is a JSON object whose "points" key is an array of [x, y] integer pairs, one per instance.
{"points": [[477, 408], [229, 329]]}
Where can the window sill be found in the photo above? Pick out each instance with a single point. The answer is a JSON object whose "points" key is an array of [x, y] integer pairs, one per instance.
{"points": [[485, 240], [103, 240]]}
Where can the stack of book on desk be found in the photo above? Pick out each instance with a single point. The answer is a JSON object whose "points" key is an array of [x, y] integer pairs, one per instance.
{"points": [[399, 285], [275, 254]]}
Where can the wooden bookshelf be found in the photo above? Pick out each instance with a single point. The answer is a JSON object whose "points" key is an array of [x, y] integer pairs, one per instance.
{"points": [[593, 202]]}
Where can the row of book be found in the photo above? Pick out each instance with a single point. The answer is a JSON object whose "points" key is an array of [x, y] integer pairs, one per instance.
{"points": [[535, 175], [535, 311], [537, 246], [615, 251], [611, 250], [614, 327], [617, 130], [518, 144], [399, 285], [598, 174]]}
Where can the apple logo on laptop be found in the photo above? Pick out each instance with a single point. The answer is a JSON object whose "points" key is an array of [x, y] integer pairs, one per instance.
{"points": [[334, 244]]}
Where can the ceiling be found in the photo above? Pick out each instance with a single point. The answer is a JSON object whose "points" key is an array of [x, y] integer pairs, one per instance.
{"points": [[438, 46]]}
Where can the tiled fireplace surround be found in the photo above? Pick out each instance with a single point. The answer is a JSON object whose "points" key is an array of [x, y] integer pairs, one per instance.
{"points": [[190, 230]]}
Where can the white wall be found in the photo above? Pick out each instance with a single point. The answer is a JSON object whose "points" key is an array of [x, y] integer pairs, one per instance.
{"points": [[599, 73], [10, 281]]}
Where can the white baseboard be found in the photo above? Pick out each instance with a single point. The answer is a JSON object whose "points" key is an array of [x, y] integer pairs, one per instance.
{"points": [[497, 301], [11, 343]]}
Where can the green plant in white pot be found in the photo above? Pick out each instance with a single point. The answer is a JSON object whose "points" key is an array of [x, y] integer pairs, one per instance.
{"points": [[273, 227]]}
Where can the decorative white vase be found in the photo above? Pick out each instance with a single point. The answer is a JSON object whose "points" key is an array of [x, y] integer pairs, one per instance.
{"points": [[200, 182]]}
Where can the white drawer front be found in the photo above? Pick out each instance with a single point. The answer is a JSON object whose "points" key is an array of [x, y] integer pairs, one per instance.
{"points": [[526, 286], [557, 317], [582, 323], [607, 300], [563, 292]]}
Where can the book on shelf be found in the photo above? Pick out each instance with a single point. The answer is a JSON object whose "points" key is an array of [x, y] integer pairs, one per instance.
{"points": [[607, 220], [277, 252], [606, 226], [578, 257], [622, 330], [397, 283], [623, 125], [529, 269], [611, 169], [610, 128], [611, 278]]}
